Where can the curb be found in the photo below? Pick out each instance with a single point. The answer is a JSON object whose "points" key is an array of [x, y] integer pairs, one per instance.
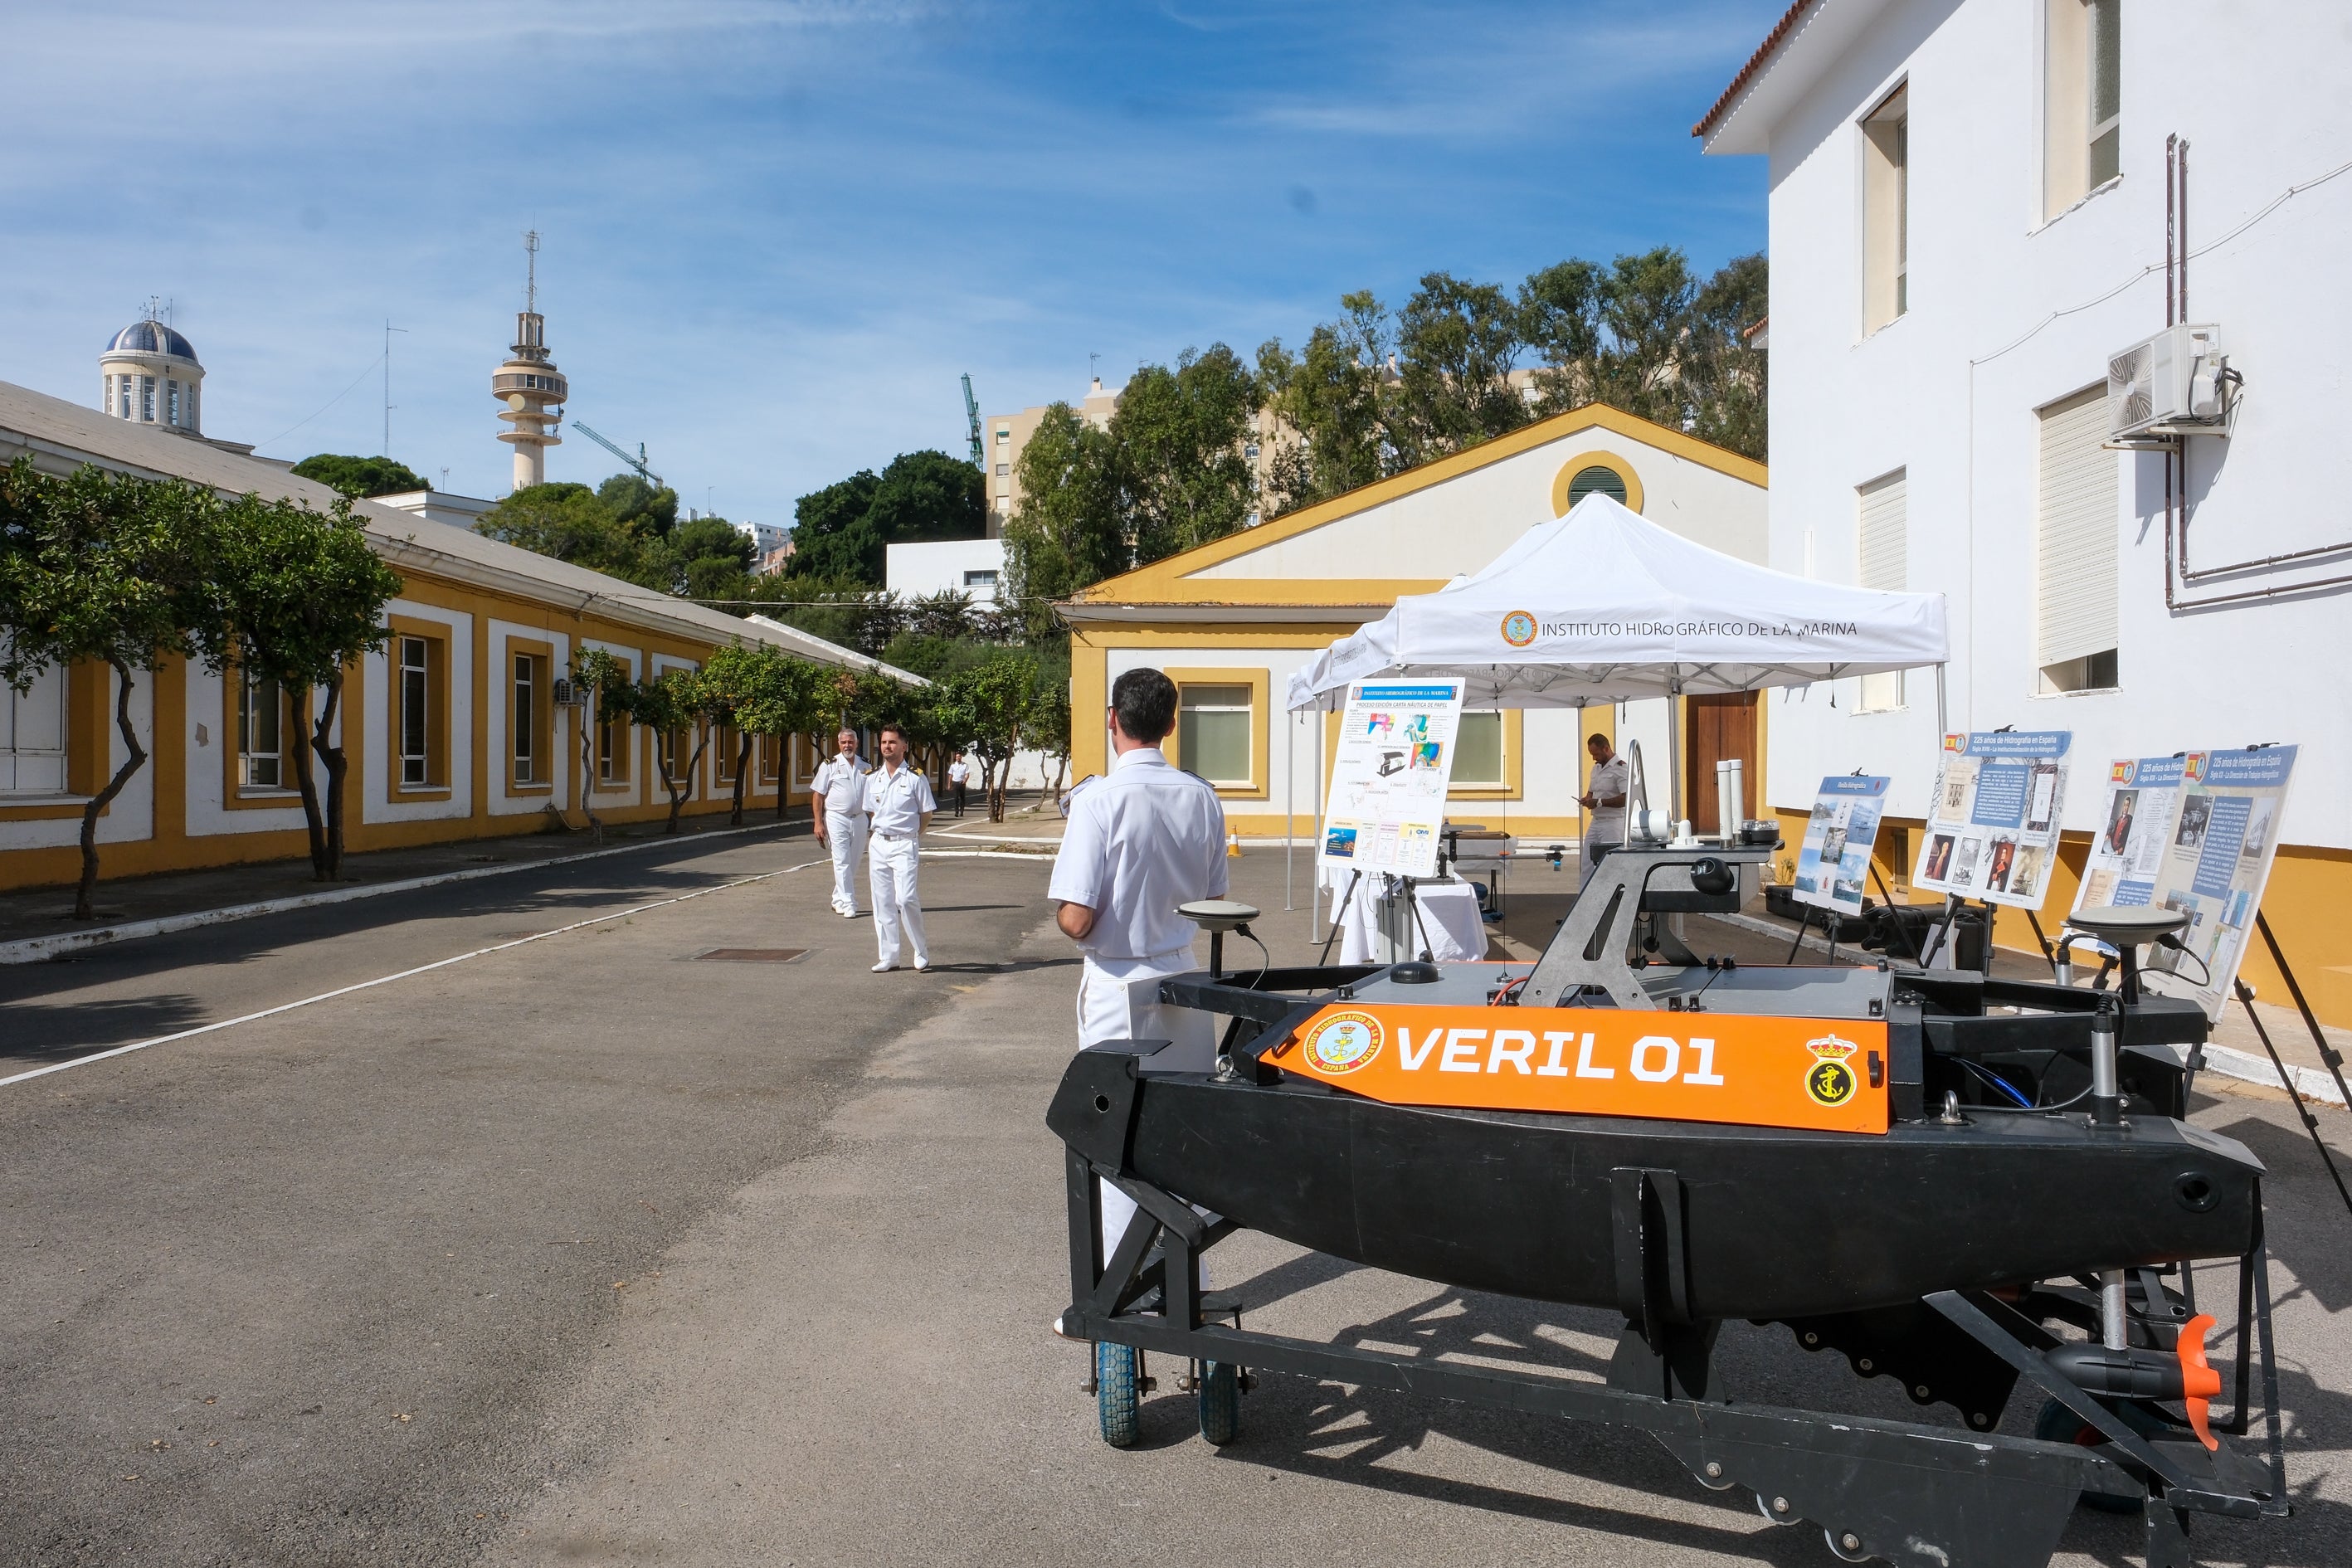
{"points": [[40, 949]]}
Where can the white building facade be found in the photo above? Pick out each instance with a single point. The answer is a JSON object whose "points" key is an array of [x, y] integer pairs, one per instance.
{"points": [[1974, 204], [972, 566]]}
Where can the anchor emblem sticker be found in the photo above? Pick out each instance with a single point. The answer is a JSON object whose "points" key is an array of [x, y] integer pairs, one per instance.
{"points": [[1830, 1081], [1344, 1042]]}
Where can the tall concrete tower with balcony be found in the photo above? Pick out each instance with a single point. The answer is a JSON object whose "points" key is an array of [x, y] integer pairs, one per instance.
{"points": [[530, 387]]}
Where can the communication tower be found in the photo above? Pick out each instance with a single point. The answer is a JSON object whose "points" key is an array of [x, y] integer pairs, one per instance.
{"points": [[529, 385]]}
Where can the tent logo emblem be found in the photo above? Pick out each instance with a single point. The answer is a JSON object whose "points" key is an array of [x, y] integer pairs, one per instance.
{"points": [[1518, 628]]}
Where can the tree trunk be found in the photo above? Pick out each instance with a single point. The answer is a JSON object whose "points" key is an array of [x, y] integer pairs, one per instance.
{"points": [[678, 791], [784, 773], [588, 774], [339, 765], [742, 777], [86, 896], [1000, 774], [312, 817]]}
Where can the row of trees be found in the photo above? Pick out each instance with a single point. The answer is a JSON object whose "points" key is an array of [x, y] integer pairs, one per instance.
{"points": [[1373, 393], [108, 569], [992, 708], [629, 529]]}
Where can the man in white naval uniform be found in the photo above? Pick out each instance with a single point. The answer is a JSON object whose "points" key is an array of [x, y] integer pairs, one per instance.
{"points": [[1605, 789], [898, 802], [1142, 840], [837, 806]]}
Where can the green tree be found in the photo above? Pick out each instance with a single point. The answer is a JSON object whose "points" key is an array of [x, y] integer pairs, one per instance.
{"points": [[105, 568], [843, 530], [1178, 437], [358, 478], [1069, 531], [713, 558], [1046, 725], [684, 711], [572, 522], [1727, 371], [1332, 402], [302, 595], [606, 677], [985, 709], [760, 690], [1457, 345]]}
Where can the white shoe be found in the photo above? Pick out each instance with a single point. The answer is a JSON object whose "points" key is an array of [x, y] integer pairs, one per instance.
{"points": [[922, 965], [1057, 1326], [850, 914], [885, 967]]}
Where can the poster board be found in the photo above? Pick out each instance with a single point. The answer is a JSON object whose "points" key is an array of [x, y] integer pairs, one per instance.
{"points": [[1993, 826], [1386, 806], [2194, 832], [1835, 861]]}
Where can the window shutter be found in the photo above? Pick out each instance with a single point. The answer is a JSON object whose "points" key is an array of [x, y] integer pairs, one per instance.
{"points": [[2076, 532], [1886, 549]]}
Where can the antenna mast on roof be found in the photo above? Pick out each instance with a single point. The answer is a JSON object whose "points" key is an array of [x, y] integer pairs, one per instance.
{"points": [[530, 261]]}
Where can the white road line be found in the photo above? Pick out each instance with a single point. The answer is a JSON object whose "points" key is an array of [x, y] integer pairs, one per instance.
{"points": [[404, 974]]}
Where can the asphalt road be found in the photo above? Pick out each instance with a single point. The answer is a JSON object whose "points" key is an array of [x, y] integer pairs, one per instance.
{"points": [[591, 1251]]}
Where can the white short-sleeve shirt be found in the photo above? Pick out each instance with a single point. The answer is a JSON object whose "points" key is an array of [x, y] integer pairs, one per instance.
{"points": [[1607, 823], [898, 800], [1142, 840], [837, 779]]}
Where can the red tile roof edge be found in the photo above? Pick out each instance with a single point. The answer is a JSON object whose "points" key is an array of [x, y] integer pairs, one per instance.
{"points": [[1756, 62]]}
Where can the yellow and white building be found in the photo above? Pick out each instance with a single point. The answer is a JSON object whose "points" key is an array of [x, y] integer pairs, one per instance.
{"points": [[451, 731], [1230, 621]]}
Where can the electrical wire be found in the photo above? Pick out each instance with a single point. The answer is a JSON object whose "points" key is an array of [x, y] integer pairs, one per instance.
{"points": [[2176, 945], [1998, 1082], [328, 404], [1265, 959]]}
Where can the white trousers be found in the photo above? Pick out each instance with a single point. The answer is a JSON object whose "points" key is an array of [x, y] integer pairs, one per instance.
{"points": [[1119, 999], [845, 835], [1591, 855], [891, 867]]}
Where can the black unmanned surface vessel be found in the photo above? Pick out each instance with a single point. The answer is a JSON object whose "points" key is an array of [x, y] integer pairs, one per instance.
{"points": [[2024, 1226]]}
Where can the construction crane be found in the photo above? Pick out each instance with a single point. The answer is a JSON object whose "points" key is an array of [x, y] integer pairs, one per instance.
{"points": [[637, 462], [972, 416]]}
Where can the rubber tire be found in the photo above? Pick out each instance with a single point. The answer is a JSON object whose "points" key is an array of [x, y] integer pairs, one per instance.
{"points": [[1218, 1392], [2056, 1424], [1117, 1403]]}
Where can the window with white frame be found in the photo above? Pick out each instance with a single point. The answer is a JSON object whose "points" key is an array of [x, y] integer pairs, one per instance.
{"points": [[260, 733], [2075, 529], [416, 714], [1478, 752], [171, 402], [1213, 728], [2081, 62], [1885, 210], [523, 720], [33, 735], [1883, 555], [147, 398]]}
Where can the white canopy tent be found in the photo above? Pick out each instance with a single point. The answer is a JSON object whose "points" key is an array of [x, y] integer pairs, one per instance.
{"points": [[1603, 607]]}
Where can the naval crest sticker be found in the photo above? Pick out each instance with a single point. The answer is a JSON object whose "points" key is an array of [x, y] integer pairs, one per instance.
{"points": [[1830, 1081], [1344, 1042], [1518, 628]]}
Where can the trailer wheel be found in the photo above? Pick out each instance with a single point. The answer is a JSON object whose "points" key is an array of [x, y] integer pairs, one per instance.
{"points": [[1218, 1391], [1116, 1392]]}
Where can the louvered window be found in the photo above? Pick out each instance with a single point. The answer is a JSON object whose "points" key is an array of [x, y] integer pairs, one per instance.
{"points": [[2076, 528], [1884, 550]]}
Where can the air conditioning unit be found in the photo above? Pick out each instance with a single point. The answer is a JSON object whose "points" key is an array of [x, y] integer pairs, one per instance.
{"points": [[2173, 383]]}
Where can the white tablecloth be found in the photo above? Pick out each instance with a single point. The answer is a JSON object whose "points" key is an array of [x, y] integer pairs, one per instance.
{"points": [[1449, 914]]}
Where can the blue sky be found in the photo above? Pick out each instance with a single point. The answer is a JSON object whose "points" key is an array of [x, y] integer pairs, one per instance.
{"points": [[774, 233]]}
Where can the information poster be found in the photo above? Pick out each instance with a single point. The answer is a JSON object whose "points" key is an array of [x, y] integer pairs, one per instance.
{"points": [[2195, 832], [1834, 860], [1993, 826], [1388, 776]]}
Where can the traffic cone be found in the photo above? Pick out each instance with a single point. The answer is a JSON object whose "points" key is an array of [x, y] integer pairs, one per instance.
{"points": [[1233, 844]]}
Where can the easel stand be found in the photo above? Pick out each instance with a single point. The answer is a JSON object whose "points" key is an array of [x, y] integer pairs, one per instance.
{"points": [[2328, 1054]]}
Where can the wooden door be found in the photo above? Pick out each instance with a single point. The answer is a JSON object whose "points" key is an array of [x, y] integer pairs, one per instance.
{"points": [[1721, 726]]}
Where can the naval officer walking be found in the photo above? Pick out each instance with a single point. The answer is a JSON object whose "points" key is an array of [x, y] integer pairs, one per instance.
{"points": [[897, 801], [838, 807], [1141, 840]]}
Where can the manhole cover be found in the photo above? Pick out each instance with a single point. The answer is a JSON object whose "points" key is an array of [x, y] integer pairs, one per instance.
{"points": [[751, 954]]}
